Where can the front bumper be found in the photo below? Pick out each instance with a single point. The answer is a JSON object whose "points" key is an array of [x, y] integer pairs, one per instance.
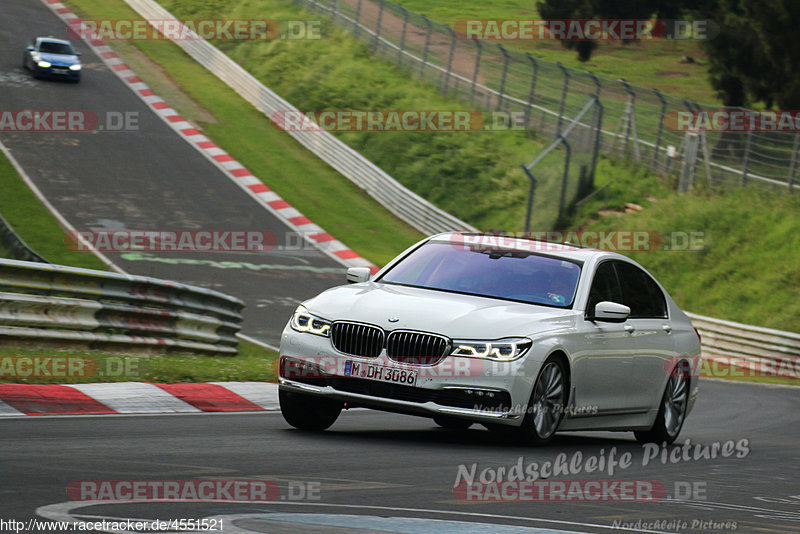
{"points": [[57, 72], [471, 388]]}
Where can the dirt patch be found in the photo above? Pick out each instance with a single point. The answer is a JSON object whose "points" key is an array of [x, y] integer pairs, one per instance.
{"points": [[673, 74]]}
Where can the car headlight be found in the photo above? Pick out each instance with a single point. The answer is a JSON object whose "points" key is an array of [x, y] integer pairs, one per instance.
{"points": [[44, 64], [502, 349], [74, 67], [302, 321]]}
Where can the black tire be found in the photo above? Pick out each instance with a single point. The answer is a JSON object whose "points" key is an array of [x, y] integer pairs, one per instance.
{"points": [[672, 411], [547, 403], [452, 423], [308, 412]]}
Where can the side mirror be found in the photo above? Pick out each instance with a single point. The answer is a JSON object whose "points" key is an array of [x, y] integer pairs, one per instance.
{"points": [[77, 53], [610, 312], [29, 48], [358, 274]]}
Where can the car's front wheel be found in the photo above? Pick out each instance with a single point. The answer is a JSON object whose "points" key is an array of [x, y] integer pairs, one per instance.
{"points": [[308, 412], [546, 407], [672, 412]]}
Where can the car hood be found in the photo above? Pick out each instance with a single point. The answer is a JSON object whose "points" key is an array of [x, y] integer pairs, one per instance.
{"points": [[62, 60], [453, 315]]}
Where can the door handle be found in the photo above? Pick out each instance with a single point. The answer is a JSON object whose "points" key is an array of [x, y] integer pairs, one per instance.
{"points": [[629, 328], [666, 328]]}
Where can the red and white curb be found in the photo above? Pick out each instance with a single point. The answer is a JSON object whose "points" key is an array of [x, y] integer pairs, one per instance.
{"points": [[136, 398], [234, 170]]}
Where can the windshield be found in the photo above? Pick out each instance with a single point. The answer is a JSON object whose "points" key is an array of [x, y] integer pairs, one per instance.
{"points": [[55, 48], [518, 276]]}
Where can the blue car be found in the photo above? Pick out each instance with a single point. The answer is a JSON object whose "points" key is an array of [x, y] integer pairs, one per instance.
{"points": [[48, 57]]}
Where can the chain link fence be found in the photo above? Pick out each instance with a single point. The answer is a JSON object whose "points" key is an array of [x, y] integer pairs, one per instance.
{"points": [[637, 122]]}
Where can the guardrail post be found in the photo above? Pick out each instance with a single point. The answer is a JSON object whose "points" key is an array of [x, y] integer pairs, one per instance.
{"points": [[335, 9], [377, 38], [531, 193], [793, 165], [477, 68], [446, 80], [532, 91], [746, 158], [506, 58], [654, 160], [427, 46], [402, 47], [563, 96]]}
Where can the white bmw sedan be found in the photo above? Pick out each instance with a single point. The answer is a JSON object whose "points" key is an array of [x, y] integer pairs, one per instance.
{"points": [[521, 336]]}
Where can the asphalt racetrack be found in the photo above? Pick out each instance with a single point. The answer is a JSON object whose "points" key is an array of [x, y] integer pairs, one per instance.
{"points": [[371, 472], [391, 473], [148, 179]]}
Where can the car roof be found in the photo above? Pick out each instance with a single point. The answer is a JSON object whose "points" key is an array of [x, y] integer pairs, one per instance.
{"points": [[519, 242], [53, 40]]}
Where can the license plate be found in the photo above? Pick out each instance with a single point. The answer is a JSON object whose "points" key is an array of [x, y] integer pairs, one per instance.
{"points": [[371, 371]]}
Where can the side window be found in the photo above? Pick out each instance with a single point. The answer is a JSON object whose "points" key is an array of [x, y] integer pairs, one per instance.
{"points": [[604, 287], [640, 293]]}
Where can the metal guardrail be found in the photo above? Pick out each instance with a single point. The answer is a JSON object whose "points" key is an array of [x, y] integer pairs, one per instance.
{"points": [[748, 346], [67, 304], [405, 204]]}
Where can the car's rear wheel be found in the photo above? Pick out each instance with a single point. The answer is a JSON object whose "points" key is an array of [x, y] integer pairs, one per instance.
{"points": [[452, 423], [672, 412], [308, 412]]}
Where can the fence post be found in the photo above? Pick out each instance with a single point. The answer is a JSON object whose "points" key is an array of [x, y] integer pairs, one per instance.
{"points": [[446, 81], [793, 165], [746, 158], [654, 160], [532, 91], [477, 68], [630, 119], [597, 84], [531, 192], [357, 19], [563, 96], [564, 178], [377, 38], [506, 57], [689, 162], [402, 47], [427, 46], [597, 133]]}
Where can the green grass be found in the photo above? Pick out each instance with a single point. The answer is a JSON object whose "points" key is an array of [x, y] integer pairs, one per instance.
{"points": [[302, 179], [654, 64], [467, 174], [31, 220], [251, 364], [747, 269]]}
